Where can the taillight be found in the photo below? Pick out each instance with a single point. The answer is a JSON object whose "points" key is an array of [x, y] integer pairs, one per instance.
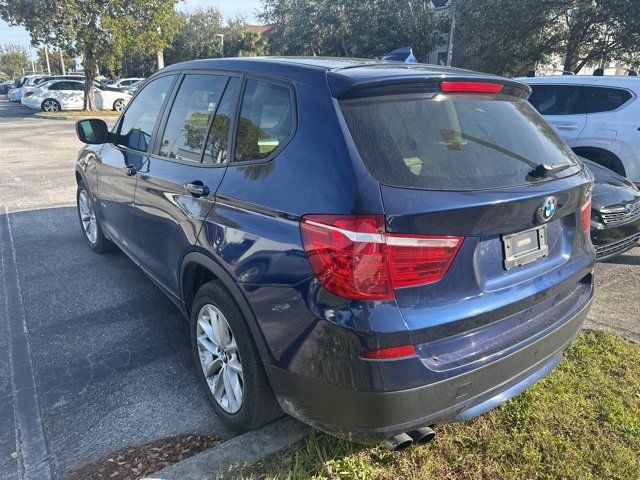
{"points": [[473, 87], [354, 257], [585, 215], [389, 353], [28, 94]]}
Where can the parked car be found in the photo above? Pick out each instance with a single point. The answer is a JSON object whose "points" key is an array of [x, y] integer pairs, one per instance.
{"points": [[6, 86], [372, 248], [124, 82], [615, 217], [598, 117], [57, 95]]}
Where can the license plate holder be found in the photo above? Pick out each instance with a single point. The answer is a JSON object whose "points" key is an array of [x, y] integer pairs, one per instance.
{"points": [[525, 247]]}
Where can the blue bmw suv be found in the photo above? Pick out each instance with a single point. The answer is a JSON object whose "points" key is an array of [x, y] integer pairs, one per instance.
{"points": [[371, 247]]}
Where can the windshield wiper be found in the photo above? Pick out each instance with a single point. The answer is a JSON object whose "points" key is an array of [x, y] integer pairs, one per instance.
{"points": [[544, 169]]}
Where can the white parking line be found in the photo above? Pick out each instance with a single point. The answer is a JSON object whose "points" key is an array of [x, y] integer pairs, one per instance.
{"points": [[33, 457]]}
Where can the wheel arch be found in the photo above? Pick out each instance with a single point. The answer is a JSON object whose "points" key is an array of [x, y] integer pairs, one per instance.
{"points": [[592, 153], [196, 270]]}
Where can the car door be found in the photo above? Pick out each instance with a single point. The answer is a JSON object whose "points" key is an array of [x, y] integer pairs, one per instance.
{"points": [[604, 122], [562, 107], [118, 163], [74, 92], [177, 188]]}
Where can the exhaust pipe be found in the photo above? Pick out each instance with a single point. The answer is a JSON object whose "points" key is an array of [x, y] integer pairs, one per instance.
{"points": [[397, 442], [423, 435]]}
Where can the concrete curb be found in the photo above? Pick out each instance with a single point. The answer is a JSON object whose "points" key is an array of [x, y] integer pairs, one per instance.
{"points": [[245, 449]]}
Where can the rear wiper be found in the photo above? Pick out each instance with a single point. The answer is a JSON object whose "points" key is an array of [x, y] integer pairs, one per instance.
{"points": [[544, 169]]}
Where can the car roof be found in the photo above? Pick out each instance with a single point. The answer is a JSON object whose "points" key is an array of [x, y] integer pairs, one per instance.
{"points": [[343, 73], [603, 80]]}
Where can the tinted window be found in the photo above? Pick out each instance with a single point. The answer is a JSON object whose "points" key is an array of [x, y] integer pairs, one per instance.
{"points": [[266, 120], [216, 150], [556, 99], [452, 142], [57, 86], [601, 99], [188, 121], [74, 86], [139, 119]]}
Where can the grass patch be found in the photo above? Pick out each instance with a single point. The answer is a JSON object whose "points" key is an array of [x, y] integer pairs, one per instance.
{"points": [[581, 422], [80, 113]]}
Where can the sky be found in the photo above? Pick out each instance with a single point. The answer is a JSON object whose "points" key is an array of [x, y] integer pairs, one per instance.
{"points": [[229, 8]]}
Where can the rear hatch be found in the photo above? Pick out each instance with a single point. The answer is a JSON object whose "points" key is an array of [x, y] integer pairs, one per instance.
{"points": [[471, 159]]}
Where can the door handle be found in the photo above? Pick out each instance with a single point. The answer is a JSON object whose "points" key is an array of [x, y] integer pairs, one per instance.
{"points": [[130, 170], [197, 189]]}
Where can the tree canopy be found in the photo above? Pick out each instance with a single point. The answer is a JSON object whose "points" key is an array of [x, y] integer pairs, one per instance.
{"points": [[353, 28], [97, 30], [13, 59], [509, 38]]}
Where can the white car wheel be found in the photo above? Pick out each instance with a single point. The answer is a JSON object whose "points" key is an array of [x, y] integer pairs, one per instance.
{"points": [[51, 105], [118, 105]]}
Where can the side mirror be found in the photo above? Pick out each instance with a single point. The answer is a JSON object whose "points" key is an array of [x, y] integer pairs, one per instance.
{"points": [[93, 131]]}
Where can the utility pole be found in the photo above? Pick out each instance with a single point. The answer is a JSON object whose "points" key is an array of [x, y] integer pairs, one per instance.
{"points": [[61, 62], [221, 35], [33, 65], [46, 55], [451, 33], [160, 58]]}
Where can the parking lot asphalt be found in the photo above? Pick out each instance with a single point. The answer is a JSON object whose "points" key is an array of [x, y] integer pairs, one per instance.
{"points": [[93, 357]]}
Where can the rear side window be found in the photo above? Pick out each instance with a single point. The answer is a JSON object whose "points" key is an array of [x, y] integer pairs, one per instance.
{"points": [[556, 99], [188, 121], [141, 115], [604, 99], [266, 120], [452, 142], [217, 147]]}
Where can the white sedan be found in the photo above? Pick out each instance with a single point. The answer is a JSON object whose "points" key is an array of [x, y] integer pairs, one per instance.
{"points": [[57, 95]]}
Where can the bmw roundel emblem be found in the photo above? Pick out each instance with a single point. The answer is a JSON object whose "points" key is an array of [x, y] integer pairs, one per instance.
{"points": [[547, 209]]}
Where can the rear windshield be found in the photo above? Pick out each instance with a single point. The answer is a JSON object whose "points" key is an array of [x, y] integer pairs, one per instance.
{"points": [[453, 142]]}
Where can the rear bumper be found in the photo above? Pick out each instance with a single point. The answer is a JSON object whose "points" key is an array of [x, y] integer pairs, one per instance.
{"points": [[369, 417]]}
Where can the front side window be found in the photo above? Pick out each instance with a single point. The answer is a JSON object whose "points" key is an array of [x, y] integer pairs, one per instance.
{"points": [[141, 115], [266, 120], [453, 142], [556, 99], [191, 112], [603, 99]]}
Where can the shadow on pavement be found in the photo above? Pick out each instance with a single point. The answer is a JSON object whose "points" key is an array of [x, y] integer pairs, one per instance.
{"points": [[111, 355]]}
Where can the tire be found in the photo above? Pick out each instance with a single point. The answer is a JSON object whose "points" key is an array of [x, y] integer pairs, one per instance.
{"points": [[89, 222], [258, 405], [50, 105], [119, 105]]}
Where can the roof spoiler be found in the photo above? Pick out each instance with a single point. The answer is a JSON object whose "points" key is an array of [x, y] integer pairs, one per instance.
{"points": [[345, 87]]}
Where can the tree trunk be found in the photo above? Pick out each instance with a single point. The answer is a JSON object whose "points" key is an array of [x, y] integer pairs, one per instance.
{"points": [[89, 77]]}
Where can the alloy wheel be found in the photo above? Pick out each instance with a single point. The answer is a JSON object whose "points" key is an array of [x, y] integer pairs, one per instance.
{"points": [[51, 106], [219, 358], [118, 105], [87, 216]]}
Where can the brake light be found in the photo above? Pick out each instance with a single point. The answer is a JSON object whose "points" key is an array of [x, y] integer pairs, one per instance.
{"points": [[388, 353], [473, 87], [28, 94], [585, 215], [354, 257]]}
